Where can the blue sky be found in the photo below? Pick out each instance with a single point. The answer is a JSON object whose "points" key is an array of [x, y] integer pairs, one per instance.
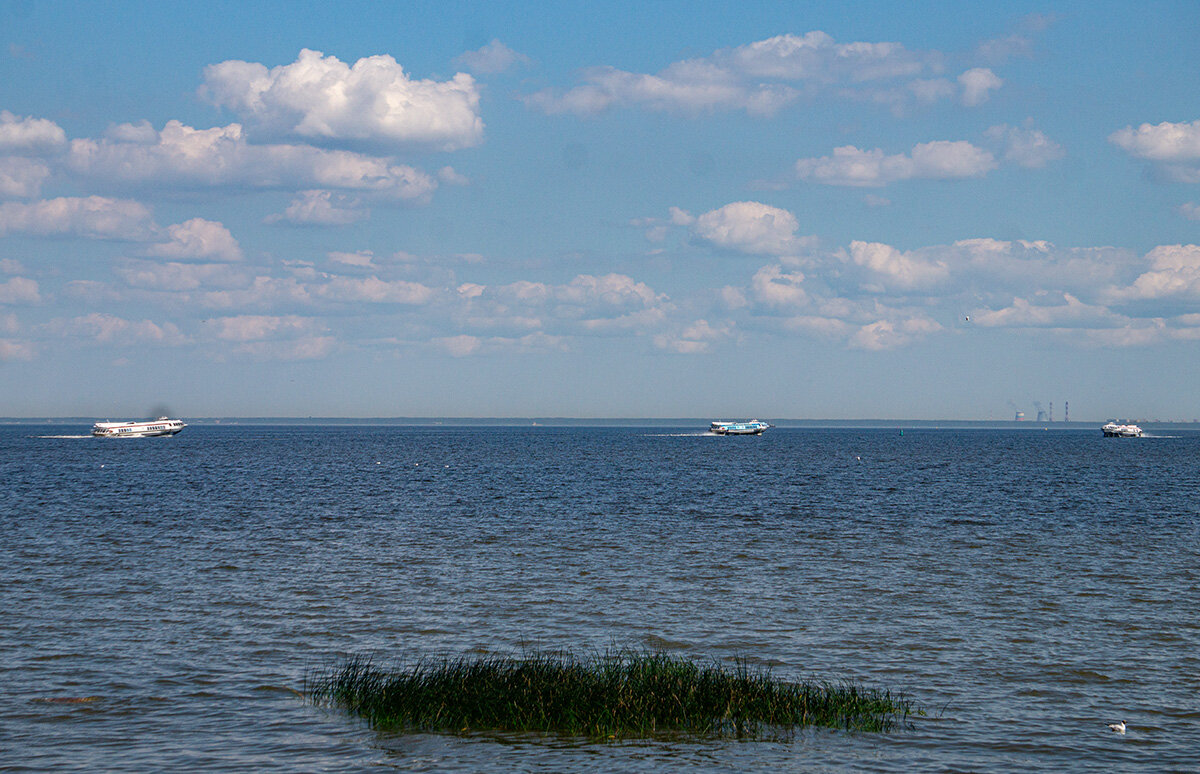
{"points": [[821, 210]]}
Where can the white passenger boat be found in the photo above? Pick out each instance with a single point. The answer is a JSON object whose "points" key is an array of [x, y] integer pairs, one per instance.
{"points": [[1115, 430], [753, 427], [145, 429]]}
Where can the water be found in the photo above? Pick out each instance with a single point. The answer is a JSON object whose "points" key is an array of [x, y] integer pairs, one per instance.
{"points": [[161, 600]]}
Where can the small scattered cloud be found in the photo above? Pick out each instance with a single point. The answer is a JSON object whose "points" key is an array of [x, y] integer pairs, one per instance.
{"points": [[16, 350], [301, 348], [750, 227], [174, 277], [28, 136], [376, 291], [1025, 146], [938, 160], [997, 51], [1190, 210], [363, 259], [892, 268], [22, 178], [19, 290], [759, 78], [91, 217], [681, 217], [773, 287], [492, 58], [251, 327], [321, 208], [181, 156], [198, 239], [1165, 142], [374, 102], [466, 345], [450, 176], [1173, 148], [977, 85], [890, 334], [1174, 272], [106, 328], [696, 338], [459, 346], [1048, 311], [18, 51], [930, 90]]}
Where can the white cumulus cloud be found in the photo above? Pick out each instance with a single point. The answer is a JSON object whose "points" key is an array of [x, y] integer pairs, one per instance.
{"points": [[321, 208], [251, 327], [199, 238], [302, 348], [977, 85], [25, 135], [938, 160], [92, 217], [376, 291], [320, 98], [362, 258], [1174, 272], [459, 346], [694, 339], [889, 334], [1048, 313], [21, 177], [15, 350], [760, 77], [1167, 142], [1026, 146], [183, 156], [494, 57], [772, 286], [107, 328], [179, 277], [19, 290], [896, 269], [750, 227]]}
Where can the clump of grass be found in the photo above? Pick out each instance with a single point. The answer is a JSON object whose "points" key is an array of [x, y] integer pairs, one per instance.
{"points": [[618, 694]]}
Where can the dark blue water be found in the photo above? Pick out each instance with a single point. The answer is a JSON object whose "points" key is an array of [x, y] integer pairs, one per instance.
{"points": [[161, 600]]}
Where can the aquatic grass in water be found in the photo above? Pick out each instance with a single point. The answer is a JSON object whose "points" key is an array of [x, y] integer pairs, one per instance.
{"points": [[618, 694]]}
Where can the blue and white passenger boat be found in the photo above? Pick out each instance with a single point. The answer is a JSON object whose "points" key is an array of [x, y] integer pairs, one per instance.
{"points": [[1121, 430], [144, 429], [753, 427]]}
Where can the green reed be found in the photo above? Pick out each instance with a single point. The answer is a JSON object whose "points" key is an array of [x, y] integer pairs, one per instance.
{"points": [[618, 694]]}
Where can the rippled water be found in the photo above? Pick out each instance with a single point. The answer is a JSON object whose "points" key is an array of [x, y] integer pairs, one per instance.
{"points": [[162, 599]]}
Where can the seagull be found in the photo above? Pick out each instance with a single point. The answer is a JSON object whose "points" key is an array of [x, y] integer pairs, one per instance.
{"points": [[1117, 727]]}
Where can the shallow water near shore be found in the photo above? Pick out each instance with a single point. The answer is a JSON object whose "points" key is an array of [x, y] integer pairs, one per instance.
{"points": [[165, 597]]}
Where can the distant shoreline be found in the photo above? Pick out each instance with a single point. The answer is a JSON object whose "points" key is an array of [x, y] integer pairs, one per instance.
{"points": [[646, 422]]}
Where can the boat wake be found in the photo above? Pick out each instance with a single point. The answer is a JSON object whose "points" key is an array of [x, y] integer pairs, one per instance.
{"points": [[679, 435], [62, 436]]}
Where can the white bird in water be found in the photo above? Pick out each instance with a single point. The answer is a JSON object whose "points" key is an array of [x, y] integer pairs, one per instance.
{"points": [[1117, 727]]}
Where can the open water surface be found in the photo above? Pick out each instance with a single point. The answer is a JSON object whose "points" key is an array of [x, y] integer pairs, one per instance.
{"points": [[161, 600]]}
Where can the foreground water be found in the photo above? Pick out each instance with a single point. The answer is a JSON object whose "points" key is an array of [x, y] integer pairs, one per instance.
{"points": [[163, 599]]}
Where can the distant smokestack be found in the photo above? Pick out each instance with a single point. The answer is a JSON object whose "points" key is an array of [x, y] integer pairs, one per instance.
{"points": [[1066, 411]]}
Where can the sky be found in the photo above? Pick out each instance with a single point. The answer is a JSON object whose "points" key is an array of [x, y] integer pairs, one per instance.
{"points": [[569, 209]]}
